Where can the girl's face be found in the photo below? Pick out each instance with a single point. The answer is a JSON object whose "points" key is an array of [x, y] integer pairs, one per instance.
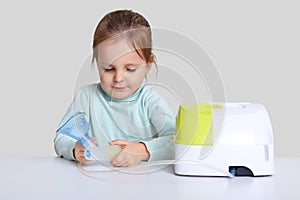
{"points": [[121, 69]]}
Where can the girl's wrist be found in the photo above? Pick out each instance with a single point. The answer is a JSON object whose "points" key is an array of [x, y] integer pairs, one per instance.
{"points": [[73, 151], [145, 151]]}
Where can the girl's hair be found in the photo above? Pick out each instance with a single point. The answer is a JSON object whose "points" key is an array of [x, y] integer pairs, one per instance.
{"points": [[130, 24]]}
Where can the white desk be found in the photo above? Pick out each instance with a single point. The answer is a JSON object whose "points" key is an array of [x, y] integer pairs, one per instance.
{"points": [[56, 178]]}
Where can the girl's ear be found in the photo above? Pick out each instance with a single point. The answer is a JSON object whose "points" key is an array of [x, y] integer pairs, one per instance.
{"points": [[151, 61], [152, 58]]}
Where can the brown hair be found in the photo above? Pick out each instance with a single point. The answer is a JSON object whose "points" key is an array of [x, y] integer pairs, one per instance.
{"points": [[122, 22]]}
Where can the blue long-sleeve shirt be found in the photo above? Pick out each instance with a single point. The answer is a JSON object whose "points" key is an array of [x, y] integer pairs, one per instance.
{"points": [[142, 117]]}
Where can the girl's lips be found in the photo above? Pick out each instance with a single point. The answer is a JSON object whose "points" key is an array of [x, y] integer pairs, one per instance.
{"points": [[118, 88]]}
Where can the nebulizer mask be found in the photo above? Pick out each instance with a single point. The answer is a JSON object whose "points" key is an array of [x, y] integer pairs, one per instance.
{"points": [[77, 127]]}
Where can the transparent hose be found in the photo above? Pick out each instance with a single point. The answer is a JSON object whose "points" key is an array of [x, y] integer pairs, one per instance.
{"points": [[101, 166]]}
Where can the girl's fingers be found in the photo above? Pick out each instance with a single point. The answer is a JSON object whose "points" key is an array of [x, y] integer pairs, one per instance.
{"points": [[118, 160], [83, 159], [94, 140], [81, 150], [119, 142], [80, 153]]}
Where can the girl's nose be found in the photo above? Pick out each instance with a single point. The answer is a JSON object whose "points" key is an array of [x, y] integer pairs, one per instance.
{"points": [[119, 75]]}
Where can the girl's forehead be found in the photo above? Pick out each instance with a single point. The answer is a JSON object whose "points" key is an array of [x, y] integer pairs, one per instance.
{"points": [[118, 53], [131, 58]]}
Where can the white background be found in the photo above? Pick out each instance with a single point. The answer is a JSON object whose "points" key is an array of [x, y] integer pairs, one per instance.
{"points": [[254, 44]]}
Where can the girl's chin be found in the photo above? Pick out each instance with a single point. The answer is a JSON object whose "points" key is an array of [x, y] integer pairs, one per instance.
{"points": [[120, 95]]}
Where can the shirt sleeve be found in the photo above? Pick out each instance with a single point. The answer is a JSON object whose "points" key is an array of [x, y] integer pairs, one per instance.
{"points": [[64, 144], [161, 147]]}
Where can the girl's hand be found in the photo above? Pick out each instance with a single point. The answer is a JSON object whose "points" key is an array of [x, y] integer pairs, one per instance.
{"points": [[79, 151], [132, 153]]}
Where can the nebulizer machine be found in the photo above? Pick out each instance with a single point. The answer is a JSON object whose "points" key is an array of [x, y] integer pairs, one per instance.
{"points": [[235, 137], [219, 139]]}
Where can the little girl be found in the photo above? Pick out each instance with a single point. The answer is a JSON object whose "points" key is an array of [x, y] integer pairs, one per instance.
{"points": [[122, 109]]}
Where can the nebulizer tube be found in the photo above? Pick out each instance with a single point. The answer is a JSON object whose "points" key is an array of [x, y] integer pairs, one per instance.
{"points": [[77, 127], [142, 167]]}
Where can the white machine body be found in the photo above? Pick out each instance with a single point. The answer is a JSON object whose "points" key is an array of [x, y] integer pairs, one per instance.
{"points": [[243, 140]]}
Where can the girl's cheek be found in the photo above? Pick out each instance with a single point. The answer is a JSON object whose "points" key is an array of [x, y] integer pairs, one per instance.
{"points": [[106, 76]]}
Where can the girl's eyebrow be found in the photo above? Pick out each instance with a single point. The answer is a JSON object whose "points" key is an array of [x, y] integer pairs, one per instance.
{"points": [[132, 64], [126, 65]]}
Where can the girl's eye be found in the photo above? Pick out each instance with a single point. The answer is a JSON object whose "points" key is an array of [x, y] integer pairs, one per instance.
{"points": [[108, 69], [131, 70]]}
